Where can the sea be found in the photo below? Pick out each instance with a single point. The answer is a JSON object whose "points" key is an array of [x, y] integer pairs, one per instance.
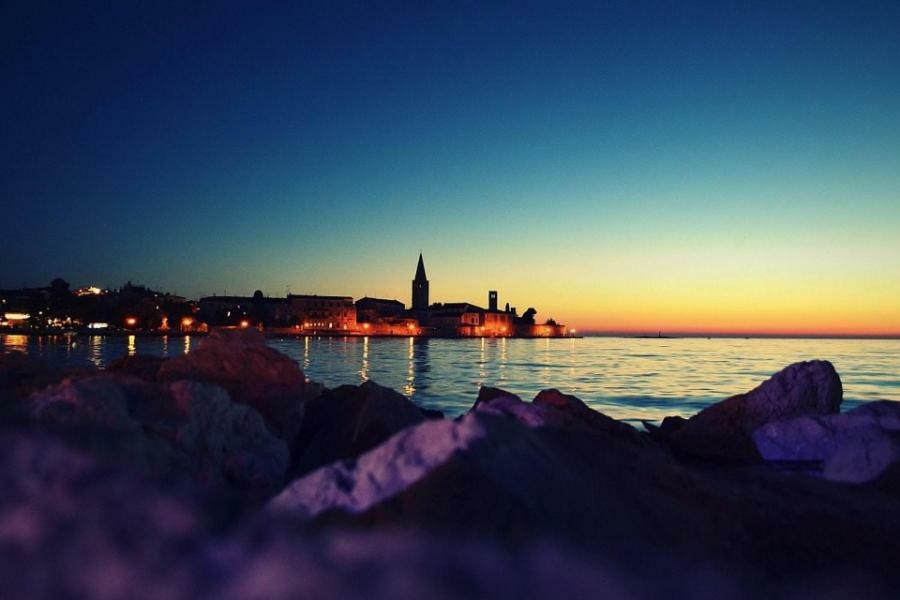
{"points": [[631, 379]]}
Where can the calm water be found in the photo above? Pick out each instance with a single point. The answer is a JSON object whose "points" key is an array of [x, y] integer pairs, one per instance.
{"points": [[625, 378]]}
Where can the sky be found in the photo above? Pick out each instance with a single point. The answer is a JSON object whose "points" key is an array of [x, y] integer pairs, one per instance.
{"points": [[620, 166]]}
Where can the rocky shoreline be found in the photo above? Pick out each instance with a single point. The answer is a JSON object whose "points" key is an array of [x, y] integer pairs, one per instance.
{"points": [[223, 473]]}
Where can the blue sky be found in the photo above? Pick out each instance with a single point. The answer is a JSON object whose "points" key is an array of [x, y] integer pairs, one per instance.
{"points": [[571, 155]]}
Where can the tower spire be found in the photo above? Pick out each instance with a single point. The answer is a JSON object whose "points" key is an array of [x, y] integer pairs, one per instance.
{"points": [[420, 269], [420, 287]]}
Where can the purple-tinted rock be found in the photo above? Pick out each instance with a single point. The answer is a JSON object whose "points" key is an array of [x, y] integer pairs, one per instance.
{"points": [[100, 401], [580, 415], [489, 475], [349, 420], [723, 431], [70, 527], [552, 408], [856, 447], [489, 394], [185, 427], [228, 441], [252, 373]]}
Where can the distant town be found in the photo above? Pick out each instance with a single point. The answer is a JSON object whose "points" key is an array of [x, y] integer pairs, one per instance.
{"points": [[137, 309]]}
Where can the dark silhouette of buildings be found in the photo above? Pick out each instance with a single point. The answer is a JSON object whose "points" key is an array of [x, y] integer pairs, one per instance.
{"points": [[137, 308]]}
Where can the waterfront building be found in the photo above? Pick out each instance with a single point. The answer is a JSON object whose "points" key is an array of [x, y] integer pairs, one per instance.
{"points": [[373, 310], [323, 313], [224, 310]]}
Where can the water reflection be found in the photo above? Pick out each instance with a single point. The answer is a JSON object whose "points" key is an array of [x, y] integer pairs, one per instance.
{"points": [[16, 342], [95, 350], [132, 345], [364, 369], [410, 388], [306, 355], [187, 344], [504, 356]]}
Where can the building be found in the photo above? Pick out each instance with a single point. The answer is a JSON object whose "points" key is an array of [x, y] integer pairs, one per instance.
{"points": [[234, 311], [322, 313], [225, 310], [374, 310]]}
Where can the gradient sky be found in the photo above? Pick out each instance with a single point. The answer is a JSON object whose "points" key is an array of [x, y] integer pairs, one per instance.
{"points": [[634, 166]]}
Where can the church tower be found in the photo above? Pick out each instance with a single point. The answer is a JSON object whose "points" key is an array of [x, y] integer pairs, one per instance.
{"points": [[420, 287]]}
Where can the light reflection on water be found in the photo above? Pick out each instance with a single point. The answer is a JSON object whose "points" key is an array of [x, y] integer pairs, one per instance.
{"points": [[625, 378]]}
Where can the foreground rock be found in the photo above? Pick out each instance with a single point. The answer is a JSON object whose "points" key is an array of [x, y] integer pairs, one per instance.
{"points": [[228, 441], [723, 431], [252, 373], [70, 527], [491, 475], [349, 420], [183, 428], [855, 447]]}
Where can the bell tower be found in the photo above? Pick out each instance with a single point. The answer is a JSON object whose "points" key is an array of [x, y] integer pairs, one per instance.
{"points": [[420, 287]]}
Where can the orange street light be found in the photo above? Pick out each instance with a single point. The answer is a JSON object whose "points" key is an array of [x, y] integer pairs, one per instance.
{"points": [[131, 321], [245, 324]]}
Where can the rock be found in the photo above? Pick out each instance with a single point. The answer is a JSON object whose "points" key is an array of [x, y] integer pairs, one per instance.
{"points": [[349, 420], [228, 441], [856, 447], [21, 376], [489, 394], [580, 415], [17, 369], [252, 373], [100, 401], [185, 427], [140, 366], [722, 432], [488, 475], [886, 412], [552, 408], [663, 432], [431, 413], [73, 528]]}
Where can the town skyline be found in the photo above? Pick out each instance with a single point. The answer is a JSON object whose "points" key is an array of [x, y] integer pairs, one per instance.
{"points": [[474, 300]]}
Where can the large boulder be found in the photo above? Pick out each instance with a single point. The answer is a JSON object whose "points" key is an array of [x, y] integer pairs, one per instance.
{"points": [[855, 447], [485, 474], [229, 442], [349, 420], [723, 431], [252, 373], [184, 428]]}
